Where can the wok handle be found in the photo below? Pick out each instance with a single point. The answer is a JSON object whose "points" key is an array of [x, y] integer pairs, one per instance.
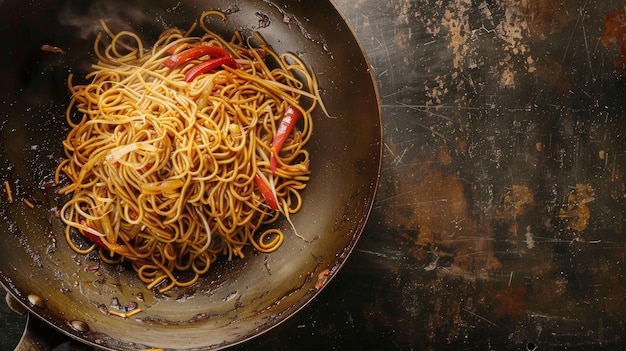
{"points": [[37, 335], [33, 338]]}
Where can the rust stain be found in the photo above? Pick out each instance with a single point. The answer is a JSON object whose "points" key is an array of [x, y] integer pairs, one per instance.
{"points": [[515, 203], [615, 33], [402, 39], [617, 187], [401, 9], [550, 71], [511, 302], [430, 204], [549, 292], [576, 214], [613, 302], [455, 20], [544, 17], [517, 200], [444, 156]]}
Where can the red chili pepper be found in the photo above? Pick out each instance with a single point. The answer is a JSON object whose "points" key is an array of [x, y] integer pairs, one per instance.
{"points": [[267, 192], [94, 238], [173, 48], [145, 169], [290, 118], [193, 53], [92, 235], [208, 66], [133, 214]]}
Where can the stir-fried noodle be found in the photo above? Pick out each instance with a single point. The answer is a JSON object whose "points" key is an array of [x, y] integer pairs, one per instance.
{"points": [[170, 169]]}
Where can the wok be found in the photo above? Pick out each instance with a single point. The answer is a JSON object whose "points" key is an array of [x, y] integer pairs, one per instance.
{"points": [[237, 299]]}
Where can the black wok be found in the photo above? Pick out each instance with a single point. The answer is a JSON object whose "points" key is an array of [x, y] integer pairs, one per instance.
{"points": [[236, 300]]}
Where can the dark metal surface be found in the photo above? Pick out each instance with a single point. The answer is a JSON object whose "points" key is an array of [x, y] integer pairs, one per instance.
{"points": [[499, 222]]}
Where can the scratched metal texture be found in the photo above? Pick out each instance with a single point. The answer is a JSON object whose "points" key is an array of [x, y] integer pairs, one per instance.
{"points": [[499, 223]]}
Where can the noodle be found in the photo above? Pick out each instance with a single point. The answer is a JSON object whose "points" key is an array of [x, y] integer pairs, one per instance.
{"points": [[168, 173]]}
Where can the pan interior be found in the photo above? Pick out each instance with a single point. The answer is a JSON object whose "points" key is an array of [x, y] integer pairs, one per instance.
{"points": [[235, 300]]}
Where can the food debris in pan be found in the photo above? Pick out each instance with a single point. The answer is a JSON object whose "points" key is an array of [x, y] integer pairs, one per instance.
{"points": [[264, 20], [11, 197], [92, 268], [115, 308], [322, 279], [288, 19], [7, 187], [28, 203], [52, 49]]}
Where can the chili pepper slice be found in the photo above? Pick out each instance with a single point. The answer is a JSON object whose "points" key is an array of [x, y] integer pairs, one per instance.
{"points": [[90, 234], [267, 192], [96, 238], [173, 48], [287, 124], [208, 66], [115, 248], [193, 53]]}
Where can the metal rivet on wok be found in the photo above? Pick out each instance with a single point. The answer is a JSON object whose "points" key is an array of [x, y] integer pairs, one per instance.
{"points": [[79, 326], [36, 300]]}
